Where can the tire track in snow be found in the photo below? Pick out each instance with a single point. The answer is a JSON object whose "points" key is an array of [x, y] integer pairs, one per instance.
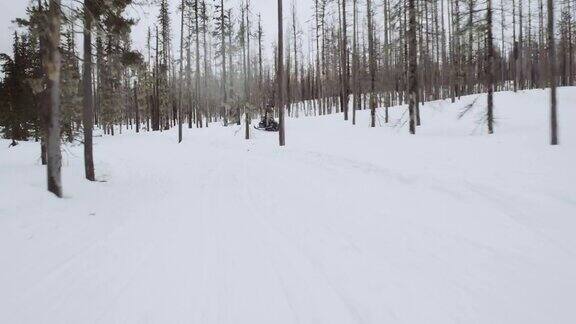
{"points": [[282, 239]]}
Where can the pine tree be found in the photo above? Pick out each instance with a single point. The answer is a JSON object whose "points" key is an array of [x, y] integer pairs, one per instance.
{"points": [[70, 83], [17, 107]]}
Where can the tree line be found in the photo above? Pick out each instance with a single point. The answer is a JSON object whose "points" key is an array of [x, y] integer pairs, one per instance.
{"points": [[350, 55]]}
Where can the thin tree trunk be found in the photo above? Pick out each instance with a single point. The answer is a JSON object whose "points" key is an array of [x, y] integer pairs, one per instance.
{"points": [[280, 76], [520, 48], [197, 92], [206, 67], [247, 75], [412, 66], [344, 64], [356, 95], [552, 75], [88, 109], [489, 68], [372, 62], [42, 107], [136, 107], [223, 40], [515, 47], [181, 90], [260, 62], [156, 96], [318, 51]]}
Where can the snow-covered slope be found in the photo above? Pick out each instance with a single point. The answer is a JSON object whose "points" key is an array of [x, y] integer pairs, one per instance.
{"points": [[347, 224]]}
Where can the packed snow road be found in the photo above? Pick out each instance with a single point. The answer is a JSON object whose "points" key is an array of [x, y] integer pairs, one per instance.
{"points": [[346, 224]]}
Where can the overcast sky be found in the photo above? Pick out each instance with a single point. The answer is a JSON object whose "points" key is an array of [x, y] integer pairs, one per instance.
{"points": [[11, 9], [267, 8]]}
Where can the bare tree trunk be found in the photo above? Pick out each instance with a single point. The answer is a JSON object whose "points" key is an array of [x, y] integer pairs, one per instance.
{"points": [[503, 49], [247, 75], [458, 79], [318, 51], [295, 35], [156, 95], [43, 127], [42, 106], [444, 53], [52, 65], [552, 75], [206, 67], [223, 40], [470, 78], [260, 62], [88, 111], [247, 126], [344, 92], [136, 107], [249, 64], [489, 68], [521, 82], [356, 95], [412, 66], [280, 76], [181, 90], [570, 46], [372, 62], [515, 47]]}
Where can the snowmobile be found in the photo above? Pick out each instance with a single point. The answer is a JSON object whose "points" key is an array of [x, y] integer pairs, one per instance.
{"points": [[267, 124]]}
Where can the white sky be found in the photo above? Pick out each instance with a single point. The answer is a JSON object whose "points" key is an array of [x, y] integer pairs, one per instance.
{"points": [[267, 8], [10, 9]]}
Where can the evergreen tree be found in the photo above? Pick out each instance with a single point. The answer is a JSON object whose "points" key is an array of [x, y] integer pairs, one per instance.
{"points": [[18, 117]]}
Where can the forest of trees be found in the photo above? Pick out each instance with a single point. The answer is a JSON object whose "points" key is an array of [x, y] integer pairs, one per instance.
{"points": [[351, 54]]}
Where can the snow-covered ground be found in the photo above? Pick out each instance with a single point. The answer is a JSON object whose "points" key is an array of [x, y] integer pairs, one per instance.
{"points": [[347, 224]]}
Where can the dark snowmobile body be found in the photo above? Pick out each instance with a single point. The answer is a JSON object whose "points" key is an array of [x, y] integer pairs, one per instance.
{"points": [[269, 125]]}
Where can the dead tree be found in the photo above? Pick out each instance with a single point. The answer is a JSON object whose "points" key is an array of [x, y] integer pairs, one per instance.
{"points": [[372, 62], [345, 77], [489, 68], [355, 64], [181, 89], [280, 76], [552, 75], [412, 66]]}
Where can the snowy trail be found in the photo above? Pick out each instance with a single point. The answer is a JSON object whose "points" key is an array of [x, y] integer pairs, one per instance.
{"points": [[219, 230]]}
